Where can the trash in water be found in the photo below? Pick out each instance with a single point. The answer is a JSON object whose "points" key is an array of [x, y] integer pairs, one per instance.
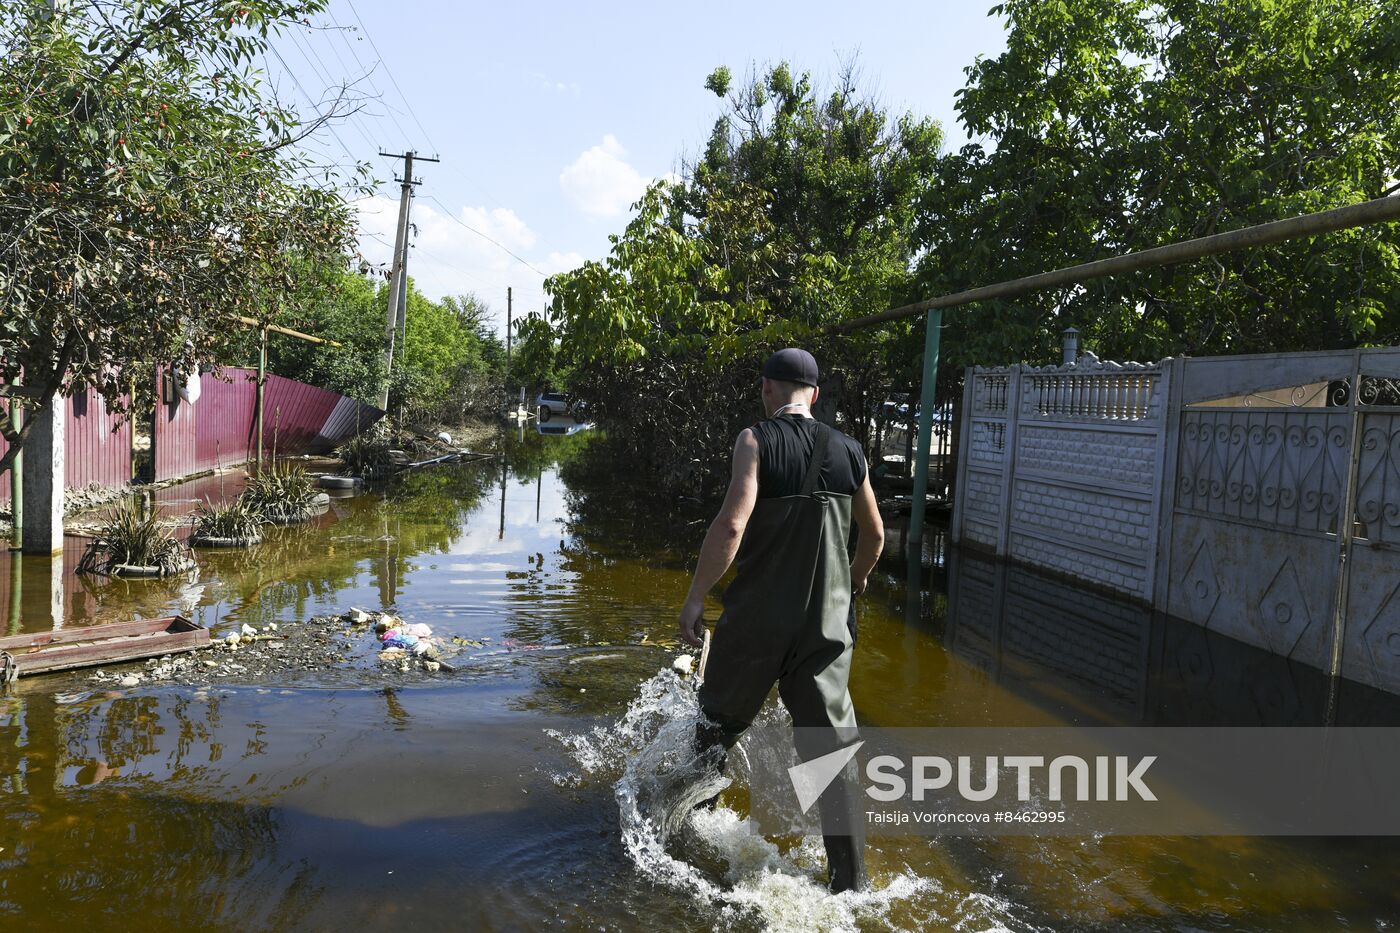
{"points": [[683, 665], [397, 639]]}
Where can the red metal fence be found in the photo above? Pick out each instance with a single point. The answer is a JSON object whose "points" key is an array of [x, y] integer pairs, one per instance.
{"points": [[96, 445], [219, 428]]}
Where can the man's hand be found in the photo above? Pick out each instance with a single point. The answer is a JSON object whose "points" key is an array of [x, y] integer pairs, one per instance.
{"points": [[858, 585], [692, 623]]}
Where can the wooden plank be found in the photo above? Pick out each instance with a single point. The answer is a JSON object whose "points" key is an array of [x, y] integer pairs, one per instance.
{"points": [[103, 644]]}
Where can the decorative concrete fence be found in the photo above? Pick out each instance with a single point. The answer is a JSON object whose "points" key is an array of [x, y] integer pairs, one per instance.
{"points": [[1258, 496], [1063, 466]]}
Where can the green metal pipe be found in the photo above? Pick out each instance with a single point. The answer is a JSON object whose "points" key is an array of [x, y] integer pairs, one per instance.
{"points": [[16, 478], [932, 326]]}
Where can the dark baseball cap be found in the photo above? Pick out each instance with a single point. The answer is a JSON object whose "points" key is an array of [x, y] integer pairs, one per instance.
{"points": [[792, 365]]}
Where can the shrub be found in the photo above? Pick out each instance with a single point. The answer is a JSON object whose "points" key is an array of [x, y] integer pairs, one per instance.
{"points": [[278, 492], [366, 453], [236, 519], [133, 536]]}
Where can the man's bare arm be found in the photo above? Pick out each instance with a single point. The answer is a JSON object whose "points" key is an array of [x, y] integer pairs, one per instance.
{"points": [[722, 540], [870, 537]]}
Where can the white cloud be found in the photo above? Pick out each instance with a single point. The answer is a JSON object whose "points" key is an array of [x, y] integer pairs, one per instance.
{"points": [[562, 262], [601, 182], [448, 259], [547, 83]]}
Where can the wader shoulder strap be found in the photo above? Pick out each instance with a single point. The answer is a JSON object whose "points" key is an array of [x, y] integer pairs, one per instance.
{"points": [[814, 468]]}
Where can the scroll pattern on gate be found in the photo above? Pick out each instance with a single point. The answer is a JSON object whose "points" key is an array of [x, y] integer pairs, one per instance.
{"points": [[1284, 468], [1378, 479]]}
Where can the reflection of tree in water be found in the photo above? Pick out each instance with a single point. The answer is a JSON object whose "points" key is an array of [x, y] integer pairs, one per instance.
{"points": [[423, 511], [616, 514], [528, 458], [104, 828]]}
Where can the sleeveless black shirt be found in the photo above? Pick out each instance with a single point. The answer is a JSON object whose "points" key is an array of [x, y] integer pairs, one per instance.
{"points": [[784, 448]]}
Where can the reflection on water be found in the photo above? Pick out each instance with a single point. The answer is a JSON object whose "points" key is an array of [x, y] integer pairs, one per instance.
{"points": [[1095, 659], [489, 798]]}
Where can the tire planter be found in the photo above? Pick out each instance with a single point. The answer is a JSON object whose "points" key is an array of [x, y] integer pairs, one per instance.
{"points": [[330, 481], [213, 541], [144, 570], [318, 506]]}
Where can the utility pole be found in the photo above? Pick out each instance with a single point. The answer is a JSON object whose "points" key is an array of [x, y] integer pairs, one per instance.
{"points": [[398, 280]]}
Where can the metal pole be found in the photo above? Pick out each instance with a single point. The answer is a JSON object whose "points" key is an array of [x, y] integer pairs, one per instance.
{"points": [[926, 393], [1379, 210], [258, 398], [16, 591], [17, 478], [391, 325]]}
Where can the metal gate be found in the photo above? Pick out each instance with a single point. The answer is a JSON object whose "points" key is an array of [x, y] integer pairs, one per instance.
{"points": [[1286, 512]]}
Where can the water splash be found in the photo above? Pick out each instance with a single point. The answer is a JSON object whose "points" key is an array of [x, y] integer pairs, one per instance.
{"points": [[713, 854]]}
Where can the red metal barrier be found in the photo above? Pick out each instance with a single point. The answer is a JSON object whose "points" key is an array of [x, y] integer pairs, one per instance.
{"points": [[96, 445], [219, 429], [224, 434]]}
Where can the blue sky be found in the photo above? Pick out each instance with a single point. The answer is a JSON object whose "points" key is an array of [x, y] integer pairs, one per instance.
{"points": [[550, 118]]}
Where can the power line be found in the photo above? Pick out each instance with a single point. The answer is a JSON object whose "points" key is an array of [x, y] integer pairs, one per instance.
{"points": [[388, 71], [462, 223], [323, 72], [368, 72], [315, 106]]}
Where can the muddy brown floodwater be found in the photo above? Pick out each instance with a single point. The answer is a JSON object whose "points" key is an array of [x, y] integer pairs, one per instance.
{"points": [[344, 796]]}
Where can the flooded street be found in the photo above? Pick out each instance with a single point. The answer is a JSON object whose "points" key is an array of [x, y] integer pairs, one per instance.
{"points": [[488, 798]]}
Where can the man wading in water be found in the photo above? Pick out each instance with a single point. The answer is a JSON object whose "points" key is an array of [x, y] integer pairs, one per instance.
{"points": [[789, 614]]}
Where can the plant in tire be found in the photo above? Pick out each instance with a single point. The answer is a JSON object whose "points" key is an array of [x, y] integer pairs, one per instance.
{"points": [[234, 520], [133, 537], [279, 492]]}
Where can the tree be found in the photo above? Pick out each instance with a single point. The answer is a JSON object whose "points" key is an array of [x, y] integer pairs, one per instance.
{"points": [[351, 312], [797, 215], [1116, 125], [149, 190], [451, 365]]}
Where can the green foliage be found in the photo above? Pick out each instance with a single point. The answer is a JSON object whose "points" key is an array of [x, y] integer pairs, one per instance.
{"points": [[350, 313], [278, 492], [236, 519], [148, 188], [1110, 126], [452, 365], [133, 536], [798, 215], [367, 453]]}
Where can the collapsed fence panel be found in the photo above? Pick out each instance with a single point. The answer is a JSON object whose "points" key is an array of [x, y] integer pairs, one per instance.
{"points": [[219, 429]]}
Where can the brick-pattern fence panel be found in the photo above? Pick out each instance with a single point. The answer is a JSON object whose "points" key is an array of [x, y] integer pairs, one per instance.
{"points": [[1064, 468]]}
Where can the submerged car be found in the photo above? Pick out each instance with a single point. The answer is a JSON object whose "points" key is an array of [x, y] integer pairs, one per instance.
{"points": [[549, 404]]}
